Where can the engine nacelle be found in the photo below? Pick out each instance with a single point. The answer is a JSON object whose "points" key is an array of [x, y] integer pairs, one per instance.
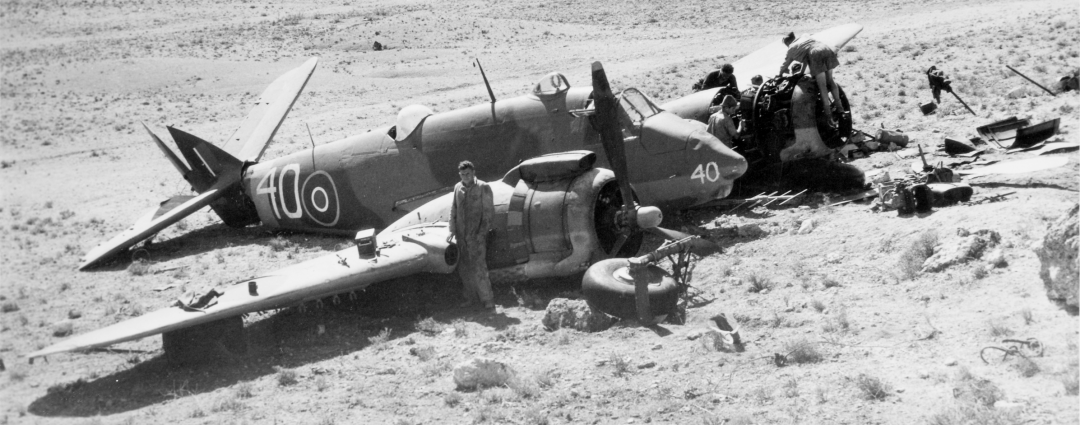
{"points": [[770, 124]]}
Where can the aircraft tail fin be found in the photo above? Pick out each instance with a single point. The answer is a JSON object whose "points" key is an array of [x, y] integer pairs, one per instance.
{"points": [[249, 141]]}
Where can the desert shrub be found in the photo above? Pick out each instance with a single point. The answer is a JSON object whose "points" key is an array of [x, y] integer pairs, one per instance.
{"points": [[791, 388], [428, 326], [524, 388], [829, 282], [460, 330], [818, 305], [998, 329], [620, 364], [839, 322], [1027, 315], [972, 389], [979, 271], [914, 255], [872, 387], [423, 353], [9, 306], [452, 398], [535, 416], [546, 379], [757, 283], [278, 244], [321, 383], [1027, 367], [285, 377], [1071, 382], [966, 413], [802, 351], [226, 404], [245, 390], [381, 338]]}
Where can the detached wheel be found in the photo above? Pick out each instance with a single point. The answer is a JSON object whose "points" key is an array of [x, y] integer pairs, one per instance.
{"points": [[220, 339], [608, 287]]}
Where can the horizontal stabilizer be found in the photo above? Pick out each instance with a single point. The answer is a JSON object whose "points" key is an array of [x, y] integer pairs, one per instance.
{"points": [[413, 250], [151, 224], [249, 141], [179, 165], [209, 163]]}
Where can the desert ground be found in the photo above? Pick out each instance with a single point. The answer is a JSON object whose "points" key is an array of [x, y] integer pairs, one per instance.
{"points": [[870, 337]]}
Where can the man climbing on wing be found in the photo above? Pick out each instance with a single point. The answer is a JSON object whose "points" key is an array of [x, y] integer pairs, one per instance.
{"points": [[470, 224], [821, 59]]}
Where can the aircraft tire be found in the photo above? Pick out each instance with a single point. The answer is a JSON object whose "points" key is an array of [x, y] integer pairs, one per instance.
{"points": [[217, 340], [606, 292]]}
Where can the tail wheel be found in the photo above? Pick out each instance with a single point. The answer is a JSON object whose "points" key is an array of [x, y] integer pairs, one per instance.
{"points": [[220, 339], [608, 287]]}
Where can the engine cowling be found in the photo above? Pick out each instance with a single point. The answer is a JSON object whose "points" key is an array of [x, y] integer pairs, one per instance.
{"points": [[769, 121]]}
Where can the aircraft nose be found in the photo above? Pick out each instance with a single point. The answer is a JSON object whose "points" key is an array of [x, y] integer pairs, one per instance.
{"points": [[730, 165]]}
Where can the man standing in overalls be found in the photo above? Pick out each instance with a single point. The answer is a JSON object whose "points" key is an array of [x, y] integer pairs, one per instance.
{"points": [[470, 224]]}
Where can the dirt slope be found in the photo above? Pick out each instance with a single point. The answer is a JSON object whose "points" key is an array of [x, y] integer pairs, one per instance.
{"points": [[78, 78]]}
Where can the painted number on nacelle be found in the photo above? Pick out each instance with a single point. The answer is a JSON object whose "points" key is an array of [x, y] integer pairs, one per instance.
{"points": [[317, 197], [709, 171]]}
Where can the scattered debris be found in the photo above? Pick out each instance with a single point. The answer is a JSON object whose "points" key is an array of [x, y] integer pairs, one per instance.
{"points": [[1030, 347], [940, 82], [1030, 80], [1057, 254], [1019, 166]]}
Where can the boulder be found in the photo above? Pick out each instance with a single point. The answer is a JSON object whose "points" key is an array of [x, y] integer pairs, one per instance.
{"points": [[751, 230], [480, 373], [574, 314], [966, 248], [1057, 255]]}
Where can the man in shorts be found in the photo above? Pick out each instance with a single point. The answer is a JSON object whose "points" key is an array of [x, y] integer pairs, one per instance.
{"points": [[821, 59]]}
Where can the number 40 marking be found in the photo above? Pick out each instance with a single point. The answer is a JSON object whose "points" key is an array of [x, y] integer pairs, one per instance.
{"points": [[709, 171]]}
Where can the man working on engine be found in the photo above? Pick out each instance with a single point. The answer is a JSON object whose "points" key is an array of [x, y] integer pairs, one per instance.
{"points": [[721, 123], [722, 77], [821, 59], [470, 224]]}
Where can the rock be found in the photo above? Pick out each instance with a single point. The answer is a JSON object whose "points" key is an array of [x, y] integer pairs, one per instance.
{"points": [[574, 314], [950, 362], [1010, 407], [966, 248], [63, 328], [996, 259], [480, 373], [647, 365], [1022, 91], [807, 227], [1058, 259], [750, 231]]}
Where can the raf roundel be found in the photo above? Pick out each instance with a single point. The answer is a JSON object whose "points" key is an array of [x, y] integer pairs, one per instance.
{"points": [[321, 199]]}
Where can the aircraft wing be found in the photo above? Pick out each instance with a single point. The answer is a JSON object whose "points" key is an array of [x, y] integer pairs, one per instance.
{"points": [[249, 141], [766, 61], [420, 248], [155, 220]]}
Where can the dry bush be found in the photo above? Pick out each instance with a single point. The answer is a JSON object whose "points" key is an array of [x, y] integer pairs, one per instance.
{"points": [[620, 363], [226, 404], [757, 283], [380, 339], [1026, 367], [278, 244], [546, 379], [423, 353], [1071, 381], [967, 413], [829, 282], [912, 258], [872, 387], [998, 329], [245, 390], [9, 306], [791, 388], [979, 271], [535, 416], [972, 389], [802, 351], [818, 305], [524, 388], [321, 384], [1027, 315], [452, 398], [838, 323], [460, 329], [428, 326], [285, 377]]}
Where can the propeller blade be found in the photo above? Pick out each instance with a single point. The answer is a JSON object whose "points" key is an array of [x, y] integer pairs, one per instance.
{"points": [[618, 244], [610, 134], [698, 246]]}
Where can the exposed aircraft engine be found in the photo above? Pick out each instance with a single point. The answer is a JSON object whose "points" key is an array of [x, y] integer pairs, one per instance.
{"points": [[770, 124]]}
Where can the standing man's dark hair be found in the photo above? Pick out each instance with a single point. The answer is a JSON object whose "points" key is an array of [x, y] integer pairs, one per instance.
{"points": [[465, 165], [727, 68]]}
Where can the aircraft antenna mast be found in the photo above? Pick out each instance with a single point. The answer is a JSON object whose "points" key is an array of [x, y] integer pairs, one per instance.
{"points": [[486, 84], [312, 145]]}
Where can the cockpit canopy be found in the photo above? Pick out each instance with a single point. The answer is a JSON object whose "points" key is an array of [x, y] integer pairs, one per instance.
{"points": [[551, 84], [637, 106]]}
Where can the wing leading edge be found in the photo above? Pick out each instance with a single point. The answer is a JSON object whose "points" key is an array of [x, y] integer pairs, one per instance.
{"points": [[416, 249]]}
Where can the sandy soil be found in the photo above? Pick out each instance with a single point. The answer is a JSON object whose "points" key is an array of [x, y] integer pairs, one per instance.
{"points": [[78, 78]]}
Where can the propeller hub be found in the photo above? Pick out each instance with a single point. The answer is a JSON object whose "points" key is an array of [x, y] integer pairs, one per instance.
{"points": [[649, 217]]}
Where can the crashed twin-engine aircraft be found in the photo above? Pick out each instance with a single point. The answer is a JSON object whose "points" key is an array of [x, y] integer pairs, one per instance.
{"points": [[556, 212]]}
